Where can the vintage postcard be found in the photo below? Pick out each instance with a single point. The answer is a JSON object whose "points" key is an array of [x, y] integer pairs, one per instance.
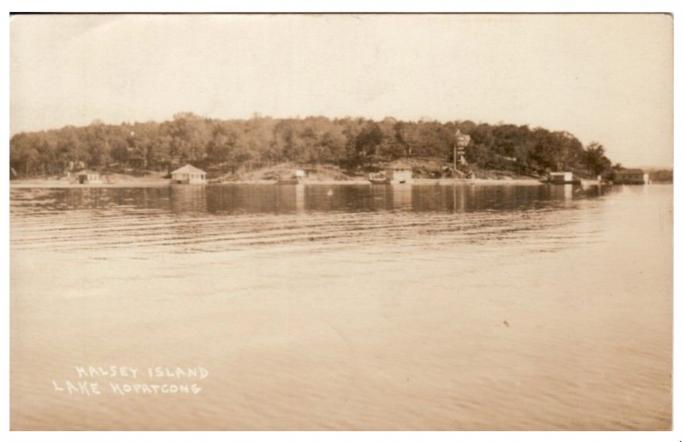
{"points": [[341, 221]]}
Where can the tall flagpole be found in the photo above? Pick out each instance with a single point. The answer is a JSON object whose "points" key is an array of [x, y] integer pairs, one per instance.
{"points": [[461, 142]]}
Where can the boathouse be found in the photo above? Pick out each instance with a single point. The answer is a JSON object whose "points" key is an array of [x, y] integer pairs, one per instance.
{"points": [[560, 177], [399, 175], [630, 176], [88, 177], [188, 174]]}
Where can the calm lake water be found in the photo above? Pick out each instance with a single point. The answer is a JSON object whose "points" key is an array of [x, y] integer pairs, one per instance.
{"points": [[346, 307]]}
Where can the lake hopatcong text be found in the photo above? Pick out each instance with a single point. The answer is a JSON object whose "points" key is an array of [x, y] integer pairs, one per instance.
{"points": [[125, 380]]}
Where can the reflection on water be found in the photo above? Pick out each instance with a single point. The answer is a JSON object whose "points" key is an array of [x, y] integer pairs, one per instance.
{"points": [[215, 218], [249, 198], [348, 306]]}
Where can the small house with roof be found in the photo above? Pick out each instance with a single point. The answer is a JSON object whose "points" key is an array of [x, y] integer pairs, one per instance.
{"points": [[188, 174], [88, 177], [630, 176], [560, 177], [399, 175]]}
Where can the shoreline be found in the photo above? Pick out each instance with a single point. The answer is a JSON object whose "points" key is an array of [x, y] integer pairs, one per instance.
{"points": [[60, 184]]}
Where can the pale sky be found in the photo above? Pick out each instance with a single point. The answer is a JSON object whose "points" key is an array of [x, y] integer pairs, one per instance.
{"points": [[605, 78]]}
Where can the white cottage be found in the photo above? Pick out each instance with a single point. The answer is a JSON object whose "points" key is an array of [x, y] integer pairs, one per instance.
{"points": [[560, 177], [399, 175], [89, 177], [188, 174]]}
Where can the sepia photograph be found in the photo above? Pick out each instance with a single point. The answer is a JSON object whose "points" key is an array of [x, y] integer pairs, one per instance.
{"points": [[341, 221]]}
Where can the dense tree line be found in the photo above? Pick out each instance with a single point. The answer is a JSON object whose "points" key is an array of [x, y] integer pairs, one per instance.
{"points": [[352, 143]]}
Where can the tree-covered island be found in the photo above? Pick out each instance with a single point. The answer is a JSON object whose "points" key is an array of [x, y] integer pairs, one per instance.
{"points": [[228, 149]]}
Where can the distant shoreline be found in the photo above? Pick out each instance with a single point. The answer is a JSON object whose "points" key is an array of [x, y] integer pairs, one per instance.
{"points": [[131, 181]]}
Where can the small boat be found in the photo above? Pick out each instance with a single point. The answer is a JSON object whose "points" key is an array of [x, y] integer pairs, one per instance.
{"points": [[378, 178], [392, 175]]}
